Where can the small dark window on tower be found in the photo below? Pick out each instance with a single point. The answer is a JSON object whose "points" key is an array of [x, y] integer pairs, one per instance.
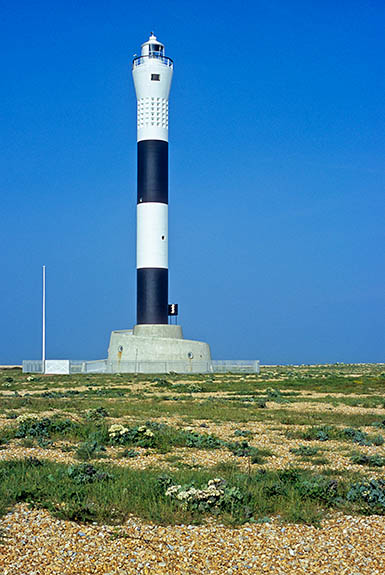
{"points": [[155, 49], [155, 77]]}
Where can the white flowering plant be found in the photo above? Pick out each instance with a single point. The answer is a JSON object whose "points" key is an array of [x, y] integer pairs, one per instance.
{"points": [[216, 495], [138, 435]]}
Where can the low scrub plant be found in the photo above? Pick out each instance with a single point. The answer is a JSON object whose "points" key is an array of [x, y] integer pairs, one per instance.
{"points": [[327, 432], [379, 424], [31, 425], [129, 453], [201, 440], [187, 388], [97, 414], [3, 442], [369, 460], [162, 383], [304, 486], [261, 403], [377, 439], [355, 435], [320, 488], [317, 433], [370, 495], [90, 449], [44, 443], [87, 473], [243, 433], [244, 449], [305, 451], [275, 395]]}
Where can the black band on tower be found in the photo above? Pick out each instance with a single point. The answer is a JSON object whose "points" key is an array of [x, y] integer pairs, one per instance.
{"points": [[152, 295], [153, 171]]}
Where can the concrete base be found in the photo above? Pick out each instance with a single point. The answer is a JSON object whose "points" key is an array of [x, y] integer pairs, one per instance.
{"points": [[140, 348]]}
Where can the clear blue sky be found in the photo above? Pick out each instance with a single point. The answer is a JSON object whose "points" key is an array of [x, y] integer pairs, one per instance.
{"points": [[276, 175]]}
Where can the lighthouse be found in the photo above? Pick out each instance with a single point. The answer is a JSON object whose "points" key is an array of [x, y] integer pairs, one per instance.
{"points": [[153, 345], [152, 73]]}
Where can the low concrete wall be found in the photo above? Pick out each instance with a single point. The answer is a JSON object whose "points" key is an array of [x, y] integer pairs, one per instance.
{"points": [[105, 366]]}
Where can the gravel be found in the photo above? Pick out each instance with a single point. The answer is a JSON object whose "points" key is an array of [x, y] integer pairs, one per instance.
{"points": [[35, 543]]}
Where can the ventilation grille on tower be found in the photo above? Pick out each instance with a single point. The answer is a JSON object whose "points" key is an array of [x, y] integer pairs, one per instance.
{"points": [[152, 112]]}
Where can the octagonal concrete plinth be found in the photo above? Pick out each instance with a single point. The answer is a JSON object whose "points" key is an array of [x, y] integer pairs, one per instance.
{"points": [[157, 348]]}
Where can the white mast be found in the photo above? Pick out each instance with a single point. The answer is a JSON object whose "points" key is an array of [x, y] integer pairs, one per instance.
{"points": [[43, 327]]}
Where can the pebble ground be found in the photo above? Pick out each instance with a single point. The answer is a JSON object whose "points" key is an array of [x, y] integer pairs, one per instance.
{"points": [[34, 543]]}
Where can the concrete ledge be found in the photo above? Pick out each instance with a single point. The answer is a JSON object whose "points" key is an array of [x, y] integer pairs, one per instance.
{"points": [[152, 330]]}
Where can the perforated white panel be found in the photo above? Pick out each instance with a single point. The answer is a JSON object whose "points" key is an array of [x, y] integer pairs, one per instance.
{"points": [[152, 112], [152, 118]]}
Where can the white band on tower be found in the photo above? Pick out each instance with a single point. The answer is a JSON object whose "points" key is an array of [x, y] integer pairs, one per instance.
{"points": [[152, 235]]}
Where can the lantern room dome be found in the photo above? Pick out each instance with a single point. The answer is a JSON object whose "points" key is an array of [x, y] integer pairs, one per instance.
{"points": [[152, 47]]}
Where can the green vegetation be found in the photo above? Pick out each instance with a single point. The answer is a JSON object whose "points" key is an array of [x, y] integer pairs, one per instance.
{"points": [[326, 433], [97, 435], [370, 460], [191, 409], [90, 450], [370, 495], [85, 492], [106, 425], [305, 451], [243, 449]]}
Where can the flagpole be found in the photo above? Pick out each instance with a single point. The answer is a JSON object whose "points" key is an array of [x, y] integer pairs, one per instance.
{"points": [[43, 326]]}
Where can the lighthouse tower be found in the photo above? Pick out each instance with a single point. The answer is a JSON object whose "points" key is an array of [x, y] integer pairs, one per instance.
{"points": [[154, 345], [152, 74]]}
